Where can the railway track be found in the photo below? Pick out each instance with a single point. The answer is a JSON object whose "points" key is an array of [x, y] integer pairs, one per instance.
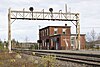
{"points": [[82, 58]]}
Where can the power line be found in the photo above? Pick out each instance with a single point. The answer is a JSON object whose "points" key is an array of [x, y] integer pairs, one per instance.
{"points": [[90, 27]]}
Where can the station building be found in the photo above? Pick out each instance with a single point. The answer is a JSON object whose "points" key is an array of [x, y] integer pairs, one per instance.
{"points": [[59, 38]]}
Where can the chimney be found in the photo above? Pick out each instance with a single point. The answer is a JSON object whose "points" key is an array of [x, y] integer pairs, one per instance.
{"points": [[65, 25]]}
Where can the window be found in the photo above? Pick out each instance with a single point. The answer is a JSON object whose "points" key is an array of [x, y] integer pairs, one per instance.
{"points": [[55, 31], [43, 42], [73, 40], [43, 32], [51, 42], [64, 31], [47, 32]]}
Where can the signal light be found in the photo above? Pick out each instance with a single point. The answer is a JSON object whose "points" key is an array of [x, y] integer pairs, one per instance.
{"points": [[51, 10], [31, 9]]}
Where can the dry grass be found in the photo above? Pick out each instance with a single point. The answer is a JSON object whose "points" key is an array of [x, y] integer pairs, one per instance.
{"points": [[14, 60], [10, 60]]}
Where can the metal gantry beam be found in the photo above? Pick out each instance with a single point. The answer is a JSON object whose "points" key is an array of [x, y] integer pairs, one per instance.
{"points": [[55, 16], [42, 15]]}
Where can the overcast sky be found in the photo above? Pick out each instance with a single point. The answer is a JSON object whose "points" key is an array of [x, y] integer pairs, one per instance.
{"points": [[89, 17]]}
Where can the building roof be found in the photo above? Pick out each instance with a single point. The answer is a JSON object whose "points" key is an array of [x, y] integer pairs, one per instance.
{"points": [[55, 27], [66, 35], [97, 44], [80, 34], [27, 43]]}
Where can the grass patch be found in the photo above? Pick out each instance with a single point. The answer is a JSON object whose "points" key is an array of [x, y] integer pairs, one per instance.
{"points": [[14, 60]]}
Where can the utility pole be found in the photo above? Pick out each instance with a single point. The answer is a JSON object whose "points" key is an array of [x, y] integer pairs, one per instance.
{"points": [[38, 35], [77, 32], [9, 30]]}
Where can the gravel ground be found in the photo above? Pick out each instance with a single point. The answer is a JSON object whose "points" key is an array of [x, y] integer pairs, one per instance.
{"points": [[58, 63]]}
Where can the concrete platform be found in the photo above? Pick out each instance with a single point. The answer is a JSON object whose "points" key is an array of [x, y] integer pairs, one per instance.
{"points": [[76, 51]]}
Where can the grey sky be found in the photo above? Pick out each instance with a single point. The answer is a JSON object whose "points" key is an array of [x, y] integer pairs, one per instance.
{"points": [[88, 9]]}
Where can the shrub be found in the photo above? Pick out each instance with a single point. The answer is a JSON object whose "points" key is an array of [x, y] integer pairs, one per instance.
{"points": [[49, 60]]}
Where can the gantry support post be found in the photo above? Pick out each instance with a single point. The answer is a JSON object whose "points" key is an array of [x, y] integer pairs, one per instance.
{"points": [[77, 32], [9, 30]]}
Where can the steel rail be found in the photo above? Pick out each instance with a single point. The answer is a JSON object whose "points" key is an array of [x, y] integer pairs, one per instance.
{"points": [[72, 57]]}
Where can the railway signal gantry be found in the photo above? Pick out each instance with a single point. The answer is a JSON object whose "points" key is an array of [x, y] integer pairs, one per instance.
{"points": [[42, 15]]}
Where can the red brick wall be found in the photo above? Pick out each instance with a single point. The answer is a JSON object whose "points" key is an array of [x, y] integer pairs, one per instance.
{"points": [[51, 29], [63, 44], [61, 37], [83, 42]]}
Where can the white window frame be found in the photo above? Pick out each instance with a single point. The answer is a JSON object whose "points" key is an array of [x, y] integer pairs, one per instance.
{"points": [[73, 37], [55, 30], [63, 30]]}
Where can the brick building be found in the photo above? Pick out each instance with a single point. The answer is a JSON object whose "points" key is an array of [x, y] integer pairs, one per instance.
{"points": [[58, 38]]}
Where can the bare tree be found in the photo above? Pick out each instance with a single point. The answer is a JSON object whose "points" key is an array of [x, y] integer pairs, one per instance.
{"points": [[91, 38], [26, 39], [98, 37], [93, 35], [88, 38]]}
